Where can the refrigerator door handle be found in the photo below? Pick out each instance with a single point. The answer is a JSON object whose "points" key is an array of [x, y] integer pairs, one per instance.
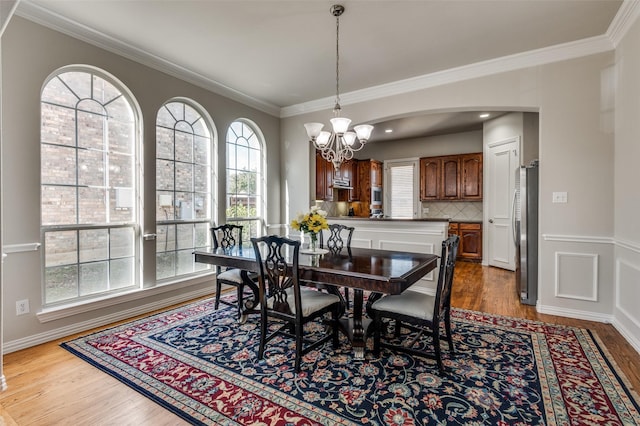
{"points": [[513, 217]]}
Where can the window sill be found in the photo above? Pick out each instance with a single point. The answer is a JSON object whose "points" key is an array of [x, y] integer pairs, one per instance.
{"points": [[59, 312]]}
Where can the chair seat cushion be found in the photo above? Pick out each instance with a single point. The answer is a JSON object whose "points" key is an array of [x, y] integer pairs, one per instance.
{"points": [[410, 303], [233, 276], [312, 300]]}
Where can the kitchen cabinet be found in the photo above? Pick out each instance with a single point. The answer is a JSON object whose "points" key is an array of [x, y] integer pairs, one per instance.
{"points": [[324, 178], [376, 173], [451, 177], [326, 174], [369, 175], [470, 247], [471, 182], [430, 178]]}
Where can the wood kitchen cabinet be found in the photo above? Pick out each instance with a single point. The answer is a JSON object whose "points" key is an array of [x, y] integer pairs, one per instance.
{"points": [[430, 178], [451, 177], [376, 173], [324, 178], [471, 181], [470, 247]]}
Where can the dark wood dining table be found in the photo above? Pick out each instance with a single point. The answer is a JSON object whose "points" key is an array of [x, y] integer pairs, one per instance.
{"points": [[361, 269]]}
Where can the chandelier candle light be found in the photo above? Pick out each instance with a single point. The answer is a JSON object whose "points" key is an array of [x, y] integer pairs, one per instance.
{"points": [[340, 144]]}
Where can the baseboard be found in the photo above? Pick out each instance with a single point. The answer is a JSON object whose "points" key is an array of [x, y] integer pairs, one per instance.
{"points": [[573, 313], [37, 339], [628, 336]]}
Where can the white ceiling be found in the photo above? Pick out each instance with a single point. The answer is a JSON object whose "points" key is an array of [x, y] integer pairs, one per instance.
{"points": [[279, 54]]}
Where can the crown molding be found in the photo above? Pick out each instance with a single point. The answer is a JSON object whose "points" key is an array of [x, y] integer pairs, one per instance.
{"points": [[624, 19], [64, 25], [560, 52]]}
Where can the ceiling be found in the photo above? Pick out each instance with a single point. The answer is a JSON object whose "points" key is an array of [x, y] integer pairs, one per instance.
{"points": [[278, 54]]}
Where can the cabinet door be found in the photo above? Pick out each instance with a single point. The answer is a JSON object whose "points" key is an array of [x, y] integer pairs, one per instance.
{"points": [[450, 178], [471, 185], [324, 178], [429, 178], [470, 241], [354, 194], [376, 173]]}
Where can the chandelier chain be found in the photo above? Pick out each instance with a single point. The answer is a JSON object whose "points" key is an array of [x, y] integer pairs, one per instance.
{"points": [[337, 63]]}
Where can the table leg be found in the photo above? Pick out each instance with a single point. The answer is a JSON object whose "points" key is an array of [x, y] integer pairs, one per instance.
{"points": [[356, 327], [250, 304]]}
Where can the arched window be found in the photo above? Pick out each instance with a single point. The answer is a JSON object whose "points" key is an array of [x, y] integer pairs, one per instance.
{"points": [[183, 187], [89, 139], [245, 178]]}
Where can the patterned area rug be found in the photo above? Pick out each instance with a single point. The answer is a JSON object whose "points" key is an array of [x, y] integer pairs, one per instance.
{"points": [[202, 365]]}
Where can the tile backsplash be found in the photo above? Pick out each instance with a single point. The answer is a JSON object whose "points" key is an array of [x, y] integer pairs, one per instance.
{"points": [[456, 211]]}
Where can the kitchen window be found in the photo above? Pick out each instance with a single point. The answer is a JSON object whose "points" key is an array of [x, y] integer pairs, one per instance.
{"points": [[402, 181]]}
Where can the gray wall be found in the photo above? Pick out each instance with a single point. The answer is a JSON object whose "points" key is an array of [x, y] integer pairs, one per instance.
{"points": [[30, 53]]}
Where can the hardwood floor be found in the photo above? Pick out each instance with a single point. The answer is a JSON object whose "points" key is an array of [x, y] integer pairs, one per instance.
{"points": [[47, 385]]}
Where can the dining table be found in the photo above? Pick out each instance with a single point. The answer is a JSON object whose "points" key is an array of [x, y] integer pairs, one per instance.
{"points": [[360, 269]]}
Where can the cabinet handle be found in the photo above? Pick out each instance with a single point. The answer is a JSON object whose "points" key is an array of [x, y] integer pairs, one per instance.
{"points": [[490, 220]]}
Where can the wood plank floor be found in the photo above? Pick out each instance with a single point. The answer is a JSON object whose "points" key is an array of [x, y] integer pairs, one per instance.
{"points": [[47, 385]]}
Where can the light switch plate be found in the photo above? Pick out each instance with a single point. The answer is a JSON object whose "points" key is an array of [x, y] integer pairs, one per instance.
{"points": [[559, 197]]}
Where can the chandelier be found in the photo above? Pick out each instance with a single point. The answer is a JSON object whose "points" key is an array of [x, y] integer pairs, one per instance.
{"points": [[338, 145]]}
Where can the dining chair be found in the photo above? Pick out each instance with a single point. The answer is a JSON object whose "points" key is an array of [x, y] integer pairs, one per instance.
{"points": [[281, 297], [226, 237], [339, 238], [420, 312]]}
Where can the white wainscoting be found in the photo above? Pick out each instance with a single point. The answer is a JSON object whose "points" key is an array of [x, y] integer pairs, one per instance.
{"points": [[401, 235], [577, 276], [626, 315]]}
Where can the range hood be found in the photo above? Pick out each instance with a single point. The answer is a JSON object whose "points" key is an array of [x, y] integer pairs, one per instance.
{"points": [[342, 184]]}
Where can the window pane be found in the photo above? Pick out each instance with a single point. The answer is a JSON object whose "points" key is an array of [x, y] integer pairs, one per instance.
{"points": [[165, 265], [185, 236], [60, 248], [91, 170], [78, 82], [57, 93], [122, 271], [184, 177], [92, 205], [121, 170], [58, 205], [94, 278], [202, 151], [185, 262], [121, 136], [94, 245], [184, 144], [51, 157], [91, 129], [164, 143], [121, 242], [61, 283], [58, 125]]}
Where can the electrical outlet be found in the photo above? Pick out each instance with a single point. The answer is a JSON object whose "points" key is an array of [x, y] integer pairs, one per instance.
{"points": [[22, 307]]}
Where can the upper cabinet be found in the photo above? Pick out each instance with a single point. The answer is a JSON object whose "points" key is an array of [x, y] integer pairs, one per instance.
{"points": [[376, 173], [451, 177], [471, 182], [324, 178], [326, 174]]}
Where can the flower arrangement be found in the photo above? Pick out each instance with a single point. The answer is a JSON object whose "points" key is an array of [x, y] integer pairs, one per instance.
{"points": [[312, 222]]}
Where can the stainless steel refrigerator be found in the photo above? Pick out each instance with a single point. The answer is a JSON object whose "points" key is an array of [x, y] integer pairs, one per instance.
{"points": [[525, 224]]}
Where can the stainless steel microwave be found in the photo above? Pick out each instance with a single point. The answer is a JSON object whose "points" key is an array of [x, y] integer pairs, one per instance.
{"points": [[376, 196]]}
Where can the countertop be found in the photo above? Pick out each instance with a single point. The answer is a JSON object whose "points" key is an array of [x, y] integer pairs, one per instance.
{"points": [[387, 219]]}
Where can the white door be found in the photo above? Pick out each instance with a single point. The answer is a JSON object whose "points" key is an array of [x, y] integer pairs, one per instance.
{"points": [[503, 159]]}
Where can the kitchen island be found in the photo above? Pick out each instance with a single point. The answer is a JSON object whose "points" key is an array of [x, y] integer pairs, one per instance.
{"points": [[410, 235]]}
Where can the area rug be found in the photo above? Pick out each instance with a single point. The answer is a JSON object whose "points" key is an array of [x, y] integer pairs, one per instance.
{"points": [[202, 365]]}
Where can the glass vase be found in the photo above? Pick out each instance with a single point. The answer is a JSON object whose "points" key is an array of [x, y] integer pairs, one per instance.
{"points": [[313, 241]]}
